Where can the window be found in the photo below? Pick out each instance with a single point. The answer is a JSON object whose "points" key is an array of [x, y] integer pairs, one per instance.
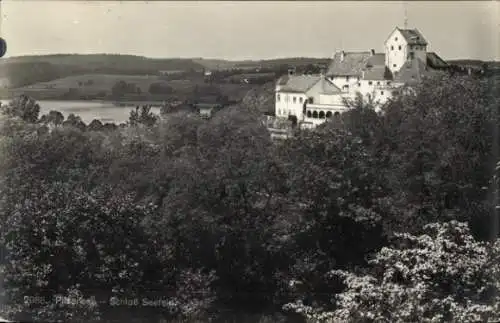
{"points": [[311, 100], [393, 65], [381, 92], [329, 114], [388, 82], [412, 55], [278, 97], [399, 47], [359, 83], [315, 115], [309, 114], [336, 114], [321, 115], [347, 78], [300, 99], [294, 100], [370, 82], [392, 47], [345, 87], [378, 83], [396, 39]]}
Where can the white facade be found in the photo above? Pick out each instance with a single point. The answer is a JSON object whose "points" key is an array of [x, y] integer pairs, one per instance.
{"points": [[289, 103], [314, 99], [398, 51]]}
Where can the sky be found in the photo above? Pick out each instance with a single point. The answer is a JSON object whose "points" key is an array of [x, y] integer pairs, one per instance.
{"points": [[245, 30]]}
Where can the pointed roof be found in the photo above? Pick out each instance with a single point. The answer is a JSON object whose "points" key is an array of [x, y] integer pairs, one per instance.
{"points": [[297, 83], [352, 64], [328, 87], [413, 37]]}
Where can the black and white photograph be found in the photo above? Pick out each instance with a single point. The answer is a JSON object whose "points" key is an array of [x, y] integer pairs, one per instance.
{"points": [[249, 161]]}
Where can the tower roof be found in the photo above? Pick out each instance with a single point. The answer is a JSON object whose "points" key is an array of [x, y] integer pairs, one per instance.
{"points": [[413, 37]]}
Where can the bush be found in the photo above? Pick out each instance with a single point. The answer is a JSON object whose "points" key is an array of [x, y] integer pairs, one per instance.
{"points": [[444, 275]]}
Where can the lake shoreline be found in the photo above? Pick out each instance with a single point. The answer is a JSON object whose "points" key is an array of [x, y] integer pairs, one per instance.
{"points": [[125, 104], [88, 110]]}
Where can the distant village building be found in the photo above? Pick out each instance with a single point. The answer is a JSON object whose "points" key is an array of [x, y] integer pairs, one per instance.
{"points": [[312, 99]]}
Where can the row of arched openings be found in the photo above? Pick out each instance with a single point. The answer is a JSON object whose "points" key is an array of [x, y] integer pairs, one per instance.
{"points": [[322, 114]]}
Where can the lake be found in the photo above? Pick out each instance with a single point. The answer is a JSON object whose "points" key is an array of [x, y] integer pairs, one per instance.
{"points": [[89, 110]]}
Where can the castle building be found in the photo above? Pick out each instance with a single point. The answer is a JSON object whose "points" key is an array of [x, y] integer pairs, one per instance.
{"points": [[310, 100]]}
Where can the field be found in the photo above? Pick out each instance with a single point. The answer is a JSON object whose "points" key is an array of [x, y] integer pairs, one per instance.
{"points": [[101, 85], [91, 83]]}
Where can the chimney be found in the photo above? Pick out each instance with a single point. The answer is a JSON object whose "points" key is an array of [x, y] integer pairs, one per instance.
{"points": [[373, 51], [342, 56]]}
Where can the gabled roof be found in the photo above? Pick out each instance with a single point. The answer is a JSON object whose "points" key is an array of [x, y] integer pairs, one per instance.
{"points": [[328, 87], [377, 60], [352, 65], [375, 73], [297, 83], [413, 71], [434, 61], [413, 37]]}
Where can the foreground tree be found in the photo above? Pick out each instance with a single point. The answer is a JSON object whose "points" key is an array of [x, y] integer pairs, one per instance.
{"points": [[22, 107], [444, 275], [142, 116]]}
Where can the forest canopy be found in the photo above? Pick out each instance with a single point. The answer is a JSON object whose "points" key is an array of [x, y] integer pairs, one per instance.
{"points": [[386, 217]]}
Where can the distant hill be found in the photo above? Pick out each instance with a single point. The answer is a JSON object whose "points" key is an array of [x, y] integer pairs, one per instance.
{"points": [[20, 71], [125, 63], [219, 64], [474, 63], [26, 70]]}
